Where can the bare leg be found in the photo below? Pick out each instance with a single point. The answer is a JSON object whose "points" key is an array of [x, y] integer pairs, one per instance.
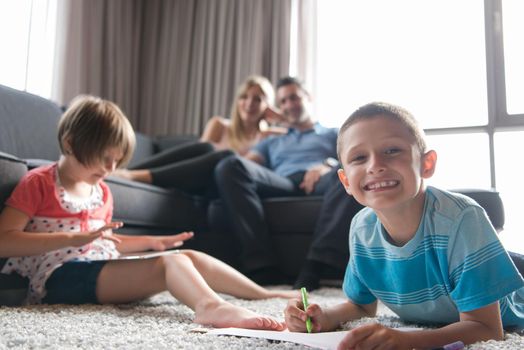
{"points": [[125, 281], [141, 175], [223, 278]]}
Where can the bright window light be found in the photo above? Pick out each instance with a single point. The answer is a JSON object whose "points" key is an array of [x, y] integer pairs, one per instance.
{"points": [[462, 161], [28, 30], [513, 27], [14, 26], [427, 56], [509, 170]]}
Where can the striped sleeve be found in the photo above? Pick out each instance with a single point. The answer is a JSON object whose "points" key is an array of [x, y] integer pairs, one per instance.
{"points": [[480, 270]]}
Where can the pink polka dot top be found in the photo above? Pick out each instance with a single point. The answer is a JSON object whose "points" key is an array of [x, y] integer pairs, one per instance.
{"points": [[51, 208]]}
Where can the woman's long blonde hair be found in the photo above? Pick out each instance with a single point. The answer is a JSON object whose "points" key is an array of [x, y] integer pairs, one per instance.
{"points": [[236, 132]]}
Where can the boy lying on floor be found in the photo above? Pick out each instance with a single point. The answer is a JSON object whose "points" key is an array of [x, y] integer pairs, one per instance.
{"points": [[431, 256]]}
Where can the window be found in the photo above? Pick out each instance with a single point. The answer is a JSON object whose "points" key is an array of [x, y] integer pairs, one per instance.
{"points": [[513, 27], [458, 66], [509, 175], [400, 52], [29, 29], [470, 170]]}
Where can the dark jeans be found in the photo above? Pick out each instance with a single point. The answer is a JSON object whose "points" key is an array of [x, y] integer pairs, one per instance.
{"points": [[243, 184], [188, 167], [330, 244]]}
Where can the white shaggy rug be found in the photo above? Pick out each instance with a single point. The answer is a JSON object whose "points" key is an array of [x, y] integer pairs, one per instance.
{"points": [[160, 322]]}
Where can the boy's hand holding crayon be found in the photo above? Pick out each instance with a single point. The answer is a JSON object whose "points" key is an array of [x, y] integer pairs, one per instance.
{"points": [[297, 318]]}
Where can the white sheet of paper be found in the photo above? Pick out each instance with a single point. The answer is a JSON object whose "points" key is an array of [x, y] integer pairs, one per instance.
{"points": [[144, 255], [325, 340]]}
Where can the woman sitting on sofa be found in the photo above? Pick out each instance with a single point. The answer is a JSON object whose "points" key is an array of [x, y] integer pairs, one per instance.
{"points": [[189, 167]]}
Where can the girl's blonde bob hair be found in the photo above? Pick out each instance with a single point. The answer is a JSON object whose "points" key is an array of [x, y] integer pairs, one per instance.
{"points": [[91, 126]]}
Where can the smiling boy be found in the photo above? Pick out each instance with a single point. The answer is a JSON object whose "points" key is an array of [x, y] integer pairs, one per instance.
{"points": [[430, 255]]}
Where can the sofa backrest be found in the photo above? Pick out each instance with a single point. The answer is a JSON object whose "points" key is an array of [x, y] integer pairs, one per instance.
{"points": [[145, 147], [491, 202], [28, 125]]}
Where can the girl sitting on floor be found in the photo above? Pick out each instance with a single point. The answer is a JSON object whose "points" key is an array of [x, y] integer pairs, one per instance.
{"points": [[57, 230]]}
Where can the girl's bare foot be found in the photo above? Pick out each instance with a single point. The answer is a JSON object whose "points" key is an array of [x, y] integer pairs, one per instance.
{"points": [[122, 173], [223, 314], [140, 175]]}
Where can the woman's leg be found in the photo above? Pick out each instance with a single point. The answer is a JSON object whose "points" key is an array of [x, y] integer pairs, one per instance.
{"points": [[175, 154], [193, 175], [126, 281], [142, 171]]}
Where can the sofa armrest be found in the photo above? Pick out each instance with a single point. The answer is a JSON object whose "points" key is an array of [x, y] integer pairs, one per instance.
{"points": [[11, 171], [12, 287]]}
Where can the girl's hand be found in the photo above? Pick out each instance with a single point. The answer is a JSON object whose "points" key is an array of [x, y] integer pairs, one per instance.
{"points": [[160, 243], [296, 317], [374, 336], [105, 232]]}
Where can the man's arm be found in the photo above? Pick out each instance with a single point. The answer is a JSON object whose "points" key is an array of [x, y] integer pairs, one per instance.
{"points": [[313, 175]]}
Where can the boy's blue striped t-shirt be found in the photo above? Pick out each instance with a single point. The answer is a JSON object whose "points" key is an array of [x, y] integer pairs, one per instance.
{"points": [[454, 263]]}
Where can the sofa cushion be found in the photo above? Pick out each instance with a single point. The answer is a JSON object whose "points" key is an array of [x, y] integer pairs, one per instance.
{"points": [[155, 208], [284, 215], [36, 120]]}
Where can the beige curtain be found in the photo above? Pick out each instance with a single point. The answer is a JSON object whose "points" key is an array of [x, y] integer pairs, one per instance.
{"points": [[170, 64]]}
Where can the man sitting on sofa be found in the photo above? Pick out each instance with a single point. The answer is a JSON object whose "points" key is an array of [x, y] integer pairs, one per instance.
{"points": [[301, 162]]}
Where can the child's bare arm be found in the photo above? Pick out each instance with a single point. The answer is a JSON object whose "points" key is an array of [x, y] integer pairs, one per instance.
{"points": [[327, 319], [478, 325], [14, 241], [130, 244]]}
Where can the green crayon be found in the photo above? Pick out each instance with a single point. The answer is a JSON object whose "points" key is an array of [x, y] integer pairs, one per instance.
{"points": [[304, 301]]}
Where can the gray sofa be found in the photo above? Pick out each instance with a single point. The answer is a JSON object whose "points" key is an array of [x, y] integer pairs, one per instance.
{"points": [[28, 139]]}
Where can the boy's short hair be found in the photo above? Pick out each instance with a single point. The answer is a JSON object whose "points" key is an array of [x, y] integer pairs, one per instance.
{"points": [[388, 110], [93, 125]]}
